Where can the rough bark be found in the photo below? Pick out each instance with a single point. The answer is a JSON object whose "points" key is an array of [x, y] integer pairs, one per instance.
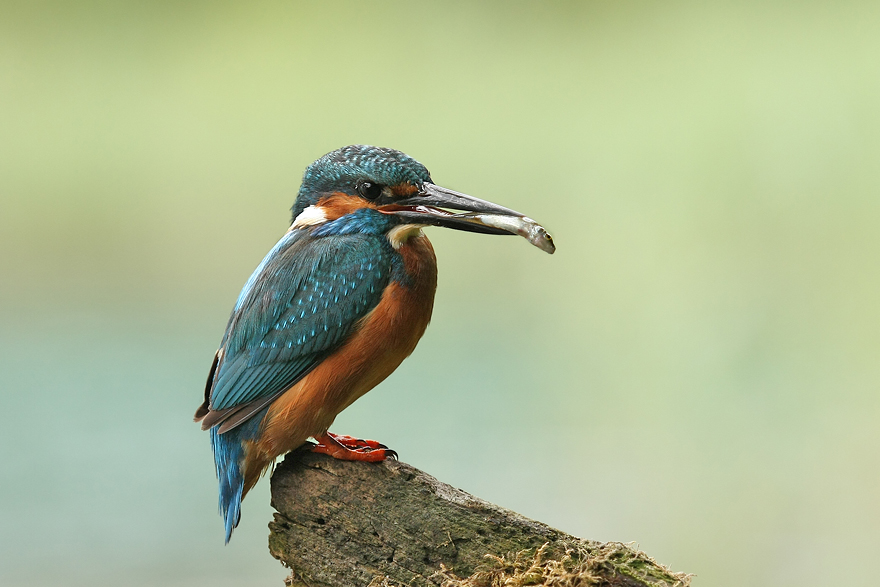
{"points": [[352, 524]]}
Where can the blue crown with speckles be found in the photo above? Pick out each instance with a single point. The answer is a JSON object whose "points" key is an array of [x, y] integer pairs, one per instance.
{"points": [[340, 170]]}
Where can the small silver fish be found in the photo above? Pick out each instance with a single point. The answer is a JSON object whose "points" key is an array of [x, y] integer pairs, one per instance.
{"points": [[521, 225]]}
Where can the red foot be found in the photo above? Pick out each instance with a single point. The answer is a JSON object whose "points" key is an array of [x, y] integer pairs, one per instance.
{"points": [[348, 448], [352, 442]]}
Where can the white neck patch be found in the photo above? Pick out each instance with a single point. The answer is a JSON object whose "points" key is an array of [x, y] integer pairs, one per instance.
{"points": [[398, 235], [309, 217]]}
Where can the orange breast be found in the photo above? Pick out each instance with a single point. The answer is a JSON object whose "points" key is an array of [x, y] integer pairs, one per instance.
{"points": [[382, 340]]}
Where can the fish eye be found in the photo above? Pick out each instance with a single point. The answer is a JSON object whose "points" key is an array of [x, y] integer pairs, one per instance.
{"points": [[369, 190]]}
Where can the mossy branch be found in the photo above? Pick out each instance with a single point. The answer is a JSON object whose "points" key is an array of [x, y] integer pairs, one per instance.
{"points": [[342, 524]]}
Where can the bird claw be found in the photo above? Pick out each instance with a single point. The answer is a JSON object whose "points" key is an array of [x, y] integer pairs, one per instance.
{"points": [[349, 448], [355, 443]]}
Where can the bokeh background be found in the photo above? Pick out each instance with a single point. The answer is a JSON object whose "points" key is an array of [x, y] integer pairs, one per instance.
{"points": [[695, 370]]}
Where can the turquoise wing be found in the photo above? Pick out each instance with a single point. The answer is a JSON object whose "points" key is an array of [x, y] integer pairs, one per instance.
{"points": [[300, 304]]}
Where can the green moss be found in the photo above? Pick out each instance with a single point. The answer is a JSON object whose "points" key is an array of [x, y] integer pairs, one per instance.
{"points": [[579, 565]]}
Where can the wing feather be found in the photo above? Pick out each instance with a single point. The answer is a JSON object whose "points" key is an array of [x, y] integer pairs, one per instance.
{"points": [[300, 304]]}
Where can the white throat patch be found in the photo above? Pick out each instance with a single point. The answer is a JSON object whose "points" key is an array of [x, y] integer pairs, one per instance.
{"points": [[398, 235], [309, 217]]}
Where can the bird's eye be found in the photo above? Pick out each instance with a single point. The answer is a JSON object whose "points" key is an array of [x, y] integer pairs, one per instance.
{"points": [[369, 190]]}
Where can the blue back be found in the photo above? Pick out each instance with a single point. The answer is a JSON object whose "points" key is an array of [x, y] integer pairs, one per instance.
{"points": [[300, 305]]}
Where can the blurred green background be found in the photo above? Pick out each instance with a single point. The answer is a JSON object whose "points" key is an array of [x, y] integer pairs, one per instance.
{"points": [[695, 370]]}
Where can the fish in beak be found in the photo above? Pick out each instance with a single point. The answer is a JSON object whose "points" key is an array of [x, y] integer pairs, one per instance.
{"points": [[428, 208]]}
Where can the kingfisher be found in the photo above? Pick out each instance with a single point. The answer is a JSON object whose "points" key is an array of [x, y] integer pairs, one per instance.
{"points": [[334, 307]]}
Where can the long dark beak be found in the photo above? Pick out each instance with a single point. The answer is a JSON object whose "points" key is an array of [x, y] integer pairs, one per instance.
{"points": [[422, 209], [427, 208]]}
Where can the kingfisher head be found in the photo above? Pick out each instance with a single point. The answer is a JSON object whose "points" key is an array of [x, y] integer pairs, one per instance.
{"points": [[362, 171], [401, 189]]}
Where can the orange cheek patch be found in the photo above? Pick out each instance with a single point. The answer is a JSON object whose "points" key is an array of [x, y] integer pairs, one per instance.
{"points": [[404, 190], [338, 205]]}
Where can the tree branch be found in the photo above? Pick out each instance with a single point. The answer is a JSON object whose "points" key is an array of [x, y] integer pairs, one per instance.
{"points": [[355, 524]]}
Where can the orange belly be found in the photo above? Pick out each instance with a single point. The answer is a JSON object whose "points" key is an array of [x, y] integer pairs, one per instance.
{"points": [[381, 341]]}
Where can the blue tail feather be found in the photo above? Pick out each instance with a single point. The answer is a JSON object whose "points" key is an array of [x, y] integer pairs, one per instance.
{"points": [[228, 461]]}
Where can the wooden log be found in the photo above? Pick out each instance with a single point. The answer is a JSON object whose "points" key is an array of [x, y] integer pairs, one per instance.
{"points": [[342, 523]]}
